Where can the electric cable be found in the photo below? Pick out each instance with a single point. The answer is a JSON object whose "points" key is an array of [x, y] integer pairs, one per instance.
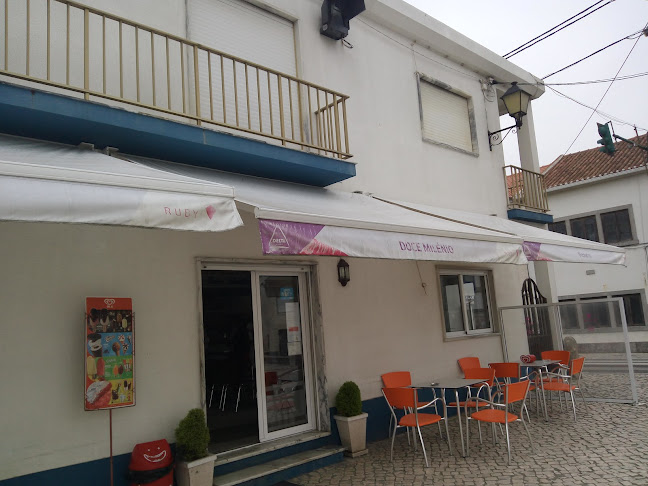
{"points": [[540, 38], [602, 113], [593, 53], [604, 94]]}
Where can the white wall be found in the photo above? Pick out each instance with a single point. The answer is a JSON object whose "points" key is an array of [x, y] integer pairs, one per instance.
{"points": [[588, 198], [382, 320], [378, 73]]}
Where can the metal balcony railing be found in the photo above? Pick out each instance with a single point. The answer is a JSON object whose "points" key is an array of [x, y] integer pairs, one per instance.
{"points": [[525, 189], [67, 45]]}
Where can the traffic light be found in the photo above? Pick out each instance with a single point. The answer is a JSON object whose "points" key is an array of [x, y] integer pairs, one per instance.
{"points": [[607, 142]]}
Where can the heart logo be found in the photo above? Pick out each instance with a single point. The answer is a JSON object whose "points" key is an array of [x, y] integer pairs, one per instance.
{"points": [[109, 302], [210, 211]]}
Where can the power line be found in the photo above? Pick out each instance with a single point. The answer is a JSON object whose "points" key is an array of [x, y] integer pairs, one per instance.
{"points": [[593, 53], [602, 113], [620, 78], [604, 94], [544, 35], [573, 83]]}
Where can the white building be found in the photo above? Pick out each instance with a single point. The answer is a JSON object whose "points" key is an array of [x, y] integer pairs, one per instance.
{"points": [[183, 128], [602, 198]]}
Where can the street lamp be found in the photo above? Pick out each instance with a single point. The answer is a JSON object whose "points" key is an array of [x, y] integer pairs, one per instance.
{"points": [[516, 101]]}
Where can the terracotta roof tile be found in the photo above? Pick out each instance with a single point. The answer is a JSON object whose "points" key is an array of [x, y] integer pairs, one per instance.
{"points": [[592, 163]]}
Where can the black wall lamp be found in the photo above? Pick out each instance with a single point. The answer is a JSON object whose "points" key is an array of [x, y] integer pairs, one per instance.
{"points": [[516, 101], [343, 272]]}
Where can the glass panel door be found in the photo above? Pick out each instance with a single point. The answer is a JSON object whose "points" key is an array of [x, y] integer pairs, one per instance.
{"points": [[283, 356]]}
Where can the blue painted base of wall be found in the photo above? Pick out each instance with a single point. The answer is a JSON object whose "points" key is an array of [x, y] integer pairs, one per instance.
{"points": [[530, 216], [378, 419], [97, 473], [47, 116], [271, 456], [295, 471]]}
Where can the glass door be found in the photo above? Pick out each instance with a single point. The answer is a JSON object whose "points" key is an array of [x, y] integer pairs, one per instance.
{"points": [[283, 355]]}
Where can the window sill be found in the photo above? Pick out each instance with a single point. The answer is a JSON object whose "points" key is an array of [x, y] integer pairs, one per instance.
{"points": [[447, 338], [604, 330]]}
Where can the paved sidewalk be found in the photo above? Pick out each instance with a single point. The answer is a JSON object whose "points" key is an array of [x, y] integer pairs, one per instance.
{"points": [[608, 445]]}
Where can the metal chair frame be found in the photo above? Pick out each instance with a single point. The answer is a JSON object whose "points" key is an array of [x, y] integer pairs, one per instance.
{"points": [[504, 412], [408, 412]]}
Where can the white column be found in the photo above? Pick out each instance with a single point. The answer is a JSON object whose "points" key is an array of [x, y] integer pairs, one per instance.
{"points": [[527, 145]]}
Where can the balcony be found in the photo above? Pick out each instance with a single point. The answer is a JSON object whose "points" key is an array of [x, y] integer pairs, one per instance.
{"points": [[106, 80], [526, 195]]}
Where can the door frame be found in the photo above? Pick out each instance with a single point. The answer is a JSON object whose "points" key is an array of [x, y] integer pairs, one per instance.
{"points": [[264, 434], [307, 286]]}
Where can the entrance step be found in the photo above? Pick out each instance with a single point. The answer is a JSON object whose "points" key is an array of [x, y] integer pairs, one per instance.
{"points": [[283, 468]]}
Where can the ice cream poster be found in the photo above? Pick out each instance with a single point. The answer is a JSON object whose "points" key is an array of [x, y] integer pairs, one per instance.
{"points": [[109, 353]]}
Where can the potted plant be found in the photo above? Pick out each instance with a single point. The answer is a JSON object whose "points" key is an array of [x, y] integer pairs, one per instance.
{"points": [[351, 422], [195, 465]]}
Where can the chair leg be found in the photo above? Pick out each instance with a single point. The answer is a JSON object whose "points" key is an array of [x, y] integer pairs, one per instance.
{"points": [[427, 464], [528, 435], [238, 398], [391, 456], [447, 435], [211, 395], [467, 437], [508, 443]]}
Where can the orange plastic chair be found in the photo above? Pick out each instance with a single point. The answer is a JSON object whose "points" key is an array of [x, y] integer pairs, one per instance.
{"points": [[500, 413], [488, 375], [561, 367], [568, 383], [506, 373], [467, 363], [405, 399], [401, 379]]}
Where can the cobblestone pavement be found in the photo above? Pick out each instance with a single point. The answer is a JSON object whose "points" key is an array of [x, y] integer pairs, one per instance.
{"points": [[608, 445]]}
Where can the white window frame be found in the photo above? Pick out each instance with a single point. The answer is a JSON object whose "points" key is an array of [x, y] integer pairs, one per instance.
{"points": [[422, 78], [460, 273], [615, 325]]}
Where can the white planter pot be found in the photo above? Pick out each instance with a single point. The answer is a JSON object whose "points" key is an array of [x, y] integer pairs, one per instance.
{"points": [[196, 473], [353, 434]]}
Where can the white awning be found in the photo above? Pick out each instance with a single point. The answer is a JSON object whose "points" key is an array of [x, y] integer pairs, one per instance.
{"points": [[539, 244], [296, 219], [48, 182]]}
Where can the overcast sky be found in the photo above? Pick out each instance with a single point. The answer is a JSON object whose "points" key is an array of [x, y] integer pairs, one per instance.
{"points": [[503, 26]]}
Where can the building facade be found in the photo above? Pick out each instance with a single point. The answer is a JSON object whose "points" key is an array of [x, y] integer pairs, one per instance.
{"points": [[601, 198], [286, 133]]}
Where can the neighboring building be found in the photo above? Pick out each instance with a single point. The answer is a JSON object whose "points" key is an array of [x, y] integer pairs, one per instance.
{"points": [[602, 198], [212, 160]]}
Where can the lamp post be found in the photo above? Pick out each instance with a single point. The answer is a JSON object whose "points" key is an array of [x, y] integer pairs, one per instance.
{"points": [[516, 101]]}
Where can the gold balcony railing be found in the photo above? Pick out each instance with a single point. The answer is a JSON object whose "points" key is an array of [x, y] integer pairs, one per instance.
{"points": [[525, 189], [78, 49]]}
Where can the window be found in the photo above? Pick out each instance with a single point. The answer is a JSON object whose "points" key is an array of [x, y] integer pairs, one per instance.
{"points": [[446, 117], [585, 228], [633, 310], [616, 227], [558, 227], [587, 314], [569, 315], [611, 226], [595, 314], [466, 303]]}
